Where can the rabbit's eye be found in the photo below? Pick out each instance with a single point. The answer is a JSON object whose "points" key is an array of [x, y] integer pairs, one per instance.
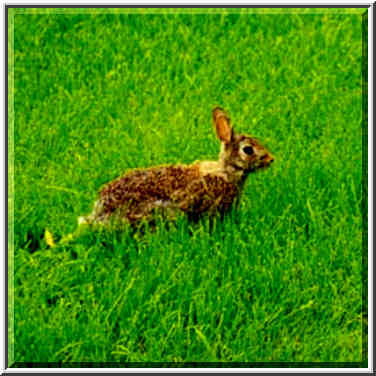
{"points": [[248, 150]]}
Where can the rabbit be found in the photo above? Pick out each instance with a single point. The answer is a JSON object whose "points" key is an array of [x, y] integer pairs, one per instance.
{"points": [[204, 187]]}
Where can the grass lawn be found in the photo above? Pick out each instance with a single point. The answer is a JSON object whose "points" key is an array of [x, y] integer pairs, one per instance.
{"points": [[279, 279]]}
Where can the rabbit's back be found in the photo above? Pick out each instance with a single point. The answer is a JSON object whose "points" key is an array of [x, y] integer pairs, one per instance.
{"points": [[146, 186], [137, 194]]}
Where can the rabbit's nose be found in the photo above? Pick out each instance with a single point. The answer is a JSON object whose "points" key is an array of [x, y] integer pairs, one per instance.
{"points": [[267, 158]]}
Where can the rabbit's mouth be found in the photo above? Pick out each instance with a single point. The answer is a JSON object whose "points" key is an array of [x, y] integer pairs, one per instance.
{"points": [[266, 162], [260, 167]]}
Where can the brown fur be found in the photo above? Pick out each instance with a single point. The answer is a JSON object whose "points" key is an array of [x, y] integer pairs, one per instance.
{"points": [[203, 187], [136, 195]]}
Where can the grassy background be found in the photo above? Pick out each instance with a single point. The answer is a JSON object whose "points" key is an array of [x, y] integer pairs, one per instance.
{"points": [[279, 280]]}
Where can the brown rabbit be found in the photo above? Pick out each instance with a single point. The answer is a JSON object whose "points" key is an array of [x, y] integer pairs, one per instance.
{"points": [[202, 187]]}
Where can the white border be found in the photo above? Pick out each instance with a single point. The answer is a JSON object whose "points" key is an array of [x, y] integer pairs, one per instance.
{"points": [[3, 307], [370, 199]]}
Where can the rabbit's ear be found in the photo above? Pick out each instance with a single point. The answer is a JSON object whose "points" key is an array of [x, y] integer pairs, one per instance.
{"points": [[222, 125]]}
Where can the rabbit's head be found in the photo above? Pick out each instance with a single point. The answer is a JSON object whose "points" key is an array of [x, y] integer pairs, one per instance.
{"points": [[240, 154]]}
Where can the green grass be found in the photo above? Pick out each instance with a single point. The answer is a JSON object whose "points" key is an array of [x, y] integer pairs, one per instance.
{"points": [[279, 279]]}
